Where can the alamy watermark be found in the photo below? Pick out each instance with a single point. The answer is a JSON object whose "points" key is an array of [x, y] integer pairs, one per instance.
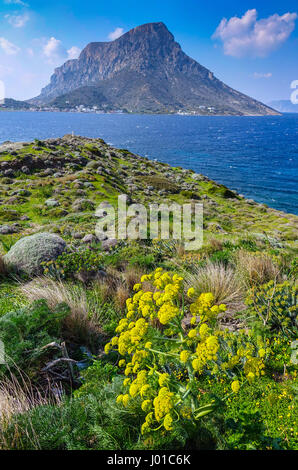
{"points": [[161, 221], [294, 95]]}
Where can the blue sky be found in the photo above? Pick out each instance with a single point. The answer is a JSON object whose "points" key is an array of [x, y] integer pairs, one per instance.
{"points": [[253, 50]]}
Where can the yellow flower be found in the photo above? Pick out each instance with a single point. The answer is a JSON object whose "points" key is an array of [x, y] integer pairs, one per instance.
{"points": [[192, 333], [190, 292], [125, 399], [167, 422], [119, 399], [146, 405], [108, 348], [163, 379], [145, 428], [262, 352], [235, 386], [184, 355]]}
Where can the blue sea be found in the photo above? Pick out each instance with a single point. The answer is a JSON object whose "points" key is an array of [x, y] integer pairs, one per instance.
{"points": [[256, 156]]}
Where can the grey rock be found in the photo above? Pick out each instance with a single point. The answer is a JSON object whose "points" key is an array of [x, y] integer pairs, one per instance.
{"points": [[81, 205], [89, 238], [29, 252], [109, 244], [52, 203]]}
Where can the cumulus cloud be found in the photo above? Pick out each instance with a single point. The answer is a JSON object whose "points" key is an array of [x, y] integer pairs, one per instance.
{"points": [[248, 36], [73, 52], [8, 47], [55, 52], [262, 75], [116, 34], [17, 21]]}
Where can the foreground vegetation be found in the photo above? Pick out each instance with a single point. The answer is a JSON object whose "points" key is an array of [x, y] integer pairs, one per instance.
{"points": [[144, 345]]}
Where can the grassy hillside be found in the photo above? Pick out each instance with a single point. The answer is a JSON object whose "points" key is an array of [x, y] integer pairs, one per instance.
{"points": [[142, 344]]}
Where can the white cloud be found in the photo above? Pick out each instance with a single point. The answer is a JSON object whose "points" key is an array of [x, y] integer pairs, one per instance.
{"points": [[116, 34], [16, 2], [262, 75], [8, 47], [17, 21], [248, 36], [55, 52], [73, 52]]}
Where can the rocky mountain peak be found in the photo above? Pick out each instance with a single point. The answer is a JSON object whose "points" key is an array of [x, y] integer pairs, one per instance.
{"points": [[144, 70]]}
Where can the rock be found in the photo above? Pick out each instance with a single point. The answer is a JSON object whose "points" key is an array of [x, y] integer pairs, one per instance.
{"points": [[9, 173], [24, 193], [81, 205], [52, 203], [29, 252], [78, 235], [9, 229], [25, 170], [109, 243], [89, 238]]}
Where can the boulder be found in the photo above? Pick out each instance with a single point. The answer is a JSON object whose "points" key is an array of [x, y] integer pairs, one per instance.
{"points": [[29, 252], [81, 205], [52, 203]]}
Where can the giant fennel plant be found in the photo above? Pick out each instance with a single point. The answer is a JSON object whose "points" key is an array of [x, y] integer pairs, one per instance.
{"points": [[167, 343]]}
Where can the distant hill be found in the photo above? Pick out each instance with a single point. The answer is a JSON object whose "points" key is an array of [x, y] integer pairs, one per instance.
{"points": [[10, 103], [144, 70], [284, 106]]}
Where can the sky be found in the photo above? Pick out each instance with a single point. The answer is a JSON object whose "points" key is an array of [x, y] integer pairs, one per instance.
{"points": [[251, 46]]}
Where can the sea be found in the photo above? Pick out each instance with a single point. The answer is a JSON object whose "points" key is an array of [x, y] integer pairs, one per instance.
{"points": [[256, 156]]}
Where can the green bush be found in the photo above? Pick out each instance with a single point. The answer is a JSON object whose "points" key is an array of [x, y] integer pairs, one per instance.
{"points": [[68, 264], [25, 331]]}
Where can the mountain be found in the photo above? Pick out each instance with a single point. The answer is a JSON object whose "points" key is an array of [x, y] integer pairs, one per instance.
{"points": [[144, 70], [284, 106]]}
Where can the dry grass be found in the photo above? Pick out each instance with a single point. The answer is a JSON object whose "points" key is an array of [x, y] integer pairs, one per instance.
{"points": [[79, 325], [121, 295], [18, 397], [131, 276], [221, 281], [215, 244], [256, 269]]}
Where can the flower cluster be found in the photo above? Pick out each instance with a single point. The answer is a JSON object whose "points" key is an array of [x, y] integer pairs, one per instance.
{"points": [[162, 359]]}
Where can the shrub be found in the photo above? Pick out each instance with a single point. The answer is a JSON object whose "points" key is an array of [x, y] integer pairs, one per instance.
{"points": [[25, 331], [163, 363], [68, 264], [276, 307]]}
